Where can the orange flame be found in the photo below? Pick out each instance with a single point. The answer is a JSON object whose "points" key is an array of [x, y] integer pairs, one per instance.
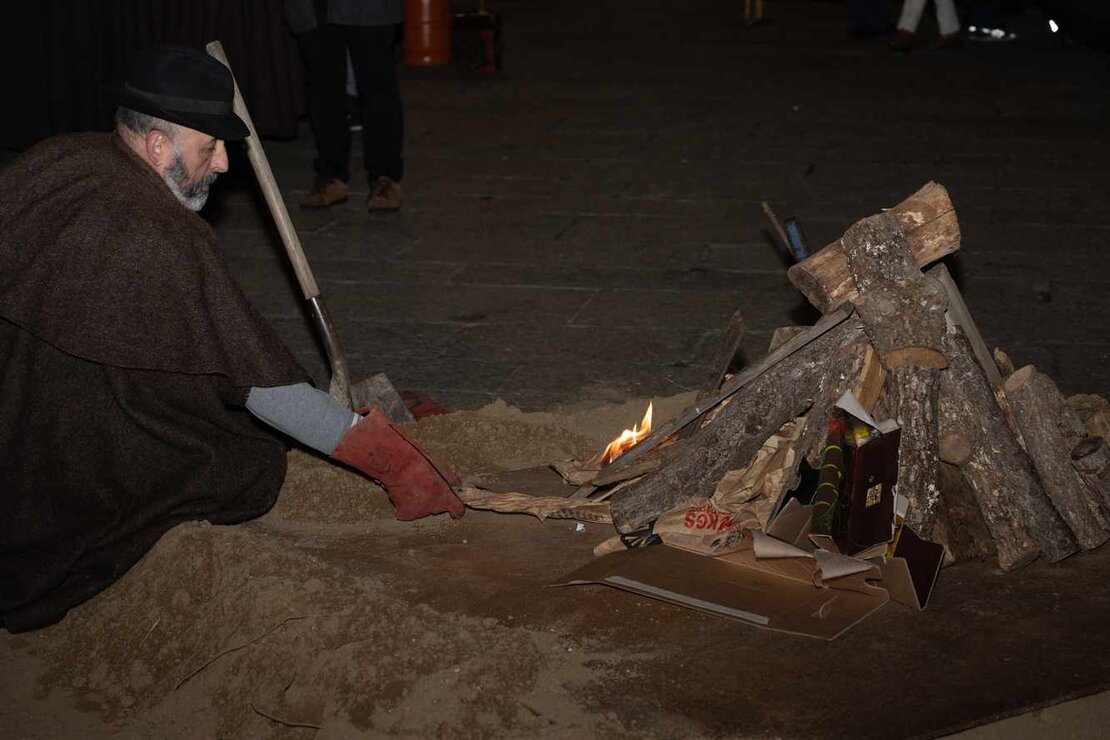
{"points": [[629, 437]]}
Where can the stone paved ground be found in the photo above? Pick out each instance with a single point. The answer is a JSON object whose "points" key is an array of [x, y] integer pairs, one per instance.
{"points": [[580, 226]]}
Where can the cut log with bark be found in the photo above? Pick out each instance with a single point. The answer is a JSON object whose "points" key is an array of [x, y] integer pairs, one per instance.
{"points": [[959, 524], [999, 474], [927, 220], [1090, 454], [1036, 406], [752, 414], [903, 313]]}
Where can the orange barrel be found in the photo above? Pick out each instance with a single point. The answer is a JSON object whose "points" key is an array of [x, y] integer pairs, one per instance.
{"points": [[427, 32]]}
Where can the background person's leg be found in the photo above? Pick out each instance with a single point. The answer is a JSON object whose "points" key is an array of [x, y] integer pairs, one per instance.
{"points": [[912, 11], [325, 56], [373, 53], [947, 20]]}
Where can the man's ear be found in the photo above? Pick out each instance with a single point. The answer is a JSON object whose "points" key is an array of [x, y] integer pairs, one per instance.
{"points": [[158, 148]]}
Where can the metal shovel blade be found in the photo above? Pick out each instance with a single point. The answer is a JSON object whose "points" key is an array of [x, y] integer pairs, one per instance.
{"points": [[378, 391]]}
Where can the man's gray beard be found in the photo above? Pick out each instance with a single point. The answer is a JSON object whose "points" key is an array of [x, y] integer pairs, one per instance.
{"points": [[177, 178]]}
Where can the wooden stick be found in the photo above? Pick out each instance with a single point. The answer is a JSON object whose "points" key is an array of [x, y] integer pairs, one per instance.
{"points": [[777, 225]]}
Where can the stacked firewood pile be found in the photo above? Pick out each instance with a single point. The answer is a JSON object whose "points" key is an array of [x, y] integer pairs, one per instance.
{"points": [[991, 460]]}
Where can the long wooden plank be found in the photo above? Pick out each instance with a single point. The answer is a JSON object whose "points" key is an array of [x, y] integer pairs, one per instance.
{"points": [[735, 383]]}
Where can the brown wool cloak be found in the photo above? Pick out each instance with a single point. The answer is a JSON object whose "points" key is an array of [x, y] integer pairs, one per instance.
{"points": [[126, 350]]}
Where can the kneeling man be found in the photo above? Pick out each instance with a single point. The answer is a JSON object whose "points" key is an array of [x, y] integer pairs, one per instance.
{"points": [[132, 368]]}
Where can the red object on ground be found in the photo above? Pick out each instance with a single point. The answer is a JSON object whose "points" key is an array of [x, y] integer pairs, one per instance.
{"points": [[427, 32], [420, 405]]}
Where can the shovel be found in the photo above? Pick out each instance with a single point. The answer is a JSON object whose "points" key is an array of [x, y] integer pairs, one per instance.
{"points": [[375, 390]]}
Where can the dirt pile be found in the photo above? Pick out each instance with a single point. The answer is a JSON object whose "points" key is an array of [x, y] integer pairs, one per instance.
{"points": [[262, 630]]}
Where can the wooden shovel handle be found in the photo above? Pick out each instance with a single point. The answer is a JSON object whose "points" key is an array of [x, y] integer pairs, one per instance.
{"points": [[269, 187]]}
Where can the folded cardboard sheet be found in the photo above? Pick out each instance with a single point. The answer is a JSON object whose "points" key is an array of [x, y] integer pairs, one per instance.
{"points": [[787, 593]]}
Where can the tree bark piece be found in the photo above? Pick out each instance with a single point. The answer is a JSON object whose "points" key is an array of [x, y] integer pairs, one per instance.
{"points": [[903, 313], [926, 218], [999, 474], [735, 434], [1036, 407]]}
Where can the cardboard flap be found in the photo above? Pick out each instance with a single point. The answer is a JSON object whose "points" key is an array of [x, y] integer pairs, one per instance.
{"points": [[766, 547], [773, 594], [792, 524], [912, 572], [833, 566]]}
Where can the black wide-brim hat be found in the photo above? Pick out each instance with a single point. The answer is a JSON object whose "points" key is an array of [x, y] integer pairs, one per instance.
{"points": [[185, 86]]}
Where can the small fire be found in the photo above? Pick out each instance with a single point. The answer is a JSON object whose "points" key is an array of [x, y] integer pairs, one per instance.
{"points": [[629, 437]]}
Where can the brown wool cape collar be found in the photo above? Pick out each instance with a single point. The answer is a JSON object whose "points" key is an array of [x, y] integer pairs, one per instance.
{"points": [[100, 260]]}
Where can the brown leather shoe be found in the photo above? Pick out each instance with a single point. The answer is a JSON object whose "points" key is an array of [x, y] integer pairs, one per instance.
{"points": [[385, 196], [947, 41], [325, 193], [902, 41]]}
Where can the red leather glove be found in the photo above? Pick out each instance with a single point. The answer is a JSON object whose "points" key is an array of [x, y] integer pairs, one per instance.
{"points": [[416, 484]]}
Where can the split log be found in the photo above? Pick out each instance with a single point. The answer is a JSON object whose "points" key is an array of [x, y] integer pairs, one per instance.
{"points": [[1000, 475], [926, 218], [870, 381], [755, 412], [903, 313]]}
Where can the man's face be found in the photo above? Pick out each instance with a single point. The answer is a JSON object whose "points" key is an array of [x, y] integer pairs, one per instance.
{"points": [[197, 159]]}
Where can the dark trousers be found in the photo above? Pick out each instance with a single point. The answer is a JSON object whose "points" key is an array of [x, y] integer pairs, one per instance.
{"points": [[375, 64]]}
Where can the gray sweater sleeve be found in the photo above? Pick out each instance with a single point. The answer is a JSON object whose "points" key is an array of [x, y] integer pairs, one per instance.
{"points": [[306, 414]]}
